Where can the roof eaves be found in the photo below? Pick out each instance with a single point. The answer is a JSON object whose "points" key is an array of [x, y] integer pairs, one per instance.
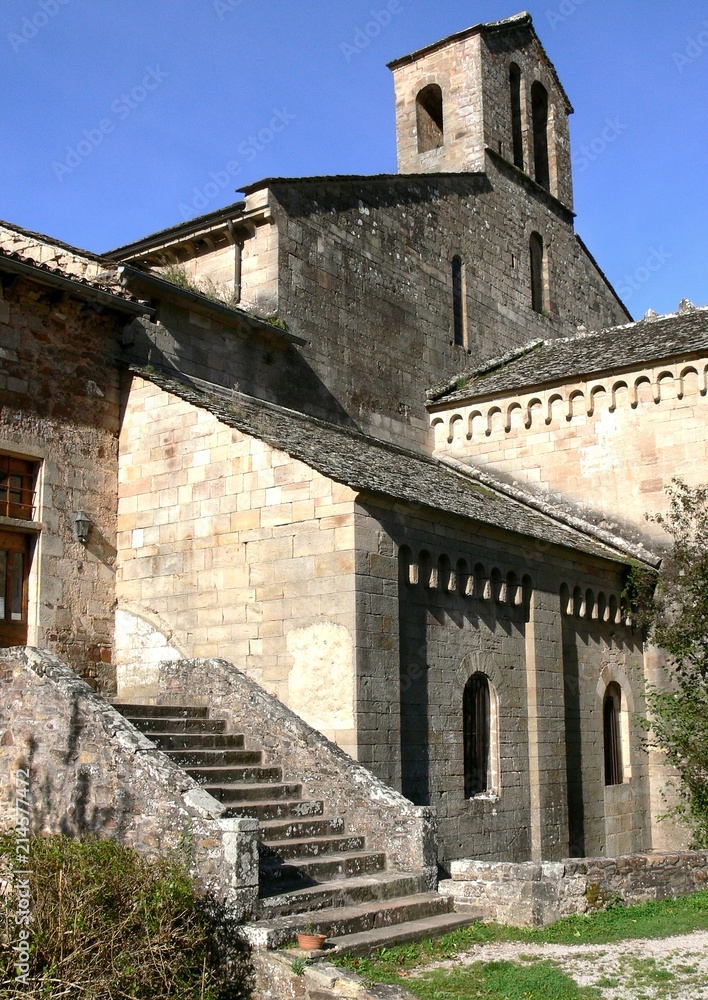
{"points": [[54, 278], [399, 178], [174, 232], [577, 536], [517, 21], [155, 287]]}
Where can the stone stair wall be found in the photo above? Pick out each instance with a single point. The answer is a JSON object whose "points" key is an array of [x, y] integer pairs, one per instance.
{"points": [[392, 825], [535, 894], [92, 773]]}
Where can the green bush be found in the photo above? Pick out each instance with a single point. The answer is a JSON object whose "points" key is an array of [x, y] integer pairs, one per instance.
{"points": [[110, 924]]}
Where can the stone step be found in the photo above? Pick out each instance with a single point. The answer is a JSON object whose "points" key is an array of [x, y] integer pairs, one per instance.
{"points": [[134, 711], [197, 758], [276, 830], [197, 741], [253, 793], [331, 866], [172, 727], [311, 847], [364, 942], [341, 892], [227, 776], [276, 810], [340, 922]]}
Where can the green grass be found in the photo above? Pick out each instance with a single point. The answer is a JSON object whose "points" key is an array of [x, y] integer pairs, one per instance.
{"points": [[666, 918], [500, 981]]}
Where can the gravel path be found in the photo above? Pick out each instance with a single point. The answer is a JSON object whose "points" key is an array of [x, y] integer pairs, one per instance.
{"points": [[656, 969]]}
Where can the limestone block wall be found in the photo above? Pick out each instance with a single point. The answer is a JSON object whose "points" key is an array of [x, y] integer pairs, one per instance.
{"points": [[457, 70], [610, 443], [598, 650], [499, 51], [473, 74], [230, 548], [60, 409], [91, 773], [391, 823], [436, 604], [216, 265], [366, 279], [539, 894]]}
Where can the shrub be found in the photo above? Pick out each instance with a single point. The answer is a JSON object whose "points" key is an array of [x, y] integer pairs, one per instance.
{"points": [[110, 924]]}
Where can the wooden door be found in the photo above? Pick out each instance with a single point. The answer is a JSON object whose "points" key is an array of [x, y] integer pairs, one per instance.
{"points": [[15, 549]]}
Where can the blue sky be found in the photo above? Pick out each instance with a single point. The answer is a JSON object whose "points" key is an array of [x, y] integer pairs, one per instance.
{"points": [[122, 117]]}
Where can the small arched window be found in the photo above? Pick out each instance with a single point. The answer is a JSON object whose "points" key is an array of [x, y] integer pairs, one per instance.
{"points": [[539, 117], [429, 118], [516, 128], [458, 301], [477, 735], [538, 273], [611, 708]]}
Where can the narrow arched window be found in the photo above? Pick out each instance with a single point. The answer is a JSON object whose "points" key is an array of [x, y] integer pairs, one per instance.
{"points": [[611, 708], [538, 267], [539, 117], [458, 300], [477, 735], [516, 129], [429, 118]]}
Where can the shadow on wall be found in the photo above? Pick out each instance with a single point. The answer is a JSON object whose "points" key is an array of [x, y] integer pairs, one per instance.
{"points": [[226, 357], [64, 798]]}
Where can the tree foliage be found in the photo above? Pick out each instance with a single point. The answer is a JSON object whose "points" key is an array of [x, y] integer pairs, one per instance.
{"points": [[677, 616]]}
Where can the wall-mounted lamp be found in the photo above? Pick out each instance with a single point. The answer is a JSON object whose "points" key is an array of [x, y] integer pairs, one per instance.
{"points": [[82, 526]]}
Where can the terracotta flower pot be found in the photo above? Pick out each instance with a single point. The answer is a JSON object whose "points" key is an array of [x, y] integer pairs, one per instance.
{"points": [[311, 942]]}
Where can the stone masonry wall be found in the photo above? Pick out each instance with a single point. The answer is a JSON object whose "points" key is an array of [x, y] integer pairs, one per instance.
{"points": [[457, 70], [539, 894], [604, 819], [446, 604], [91, 773], [60, 408], [366, 279], [229, 548], [473, 75], [499, 51], [610, 444], [391, 823]]}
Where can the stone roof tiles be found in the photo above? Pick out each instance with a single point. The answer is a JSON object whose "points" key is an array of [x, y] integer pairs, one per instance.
{"points": [[548, 362], [371, 466], [59, 259]]}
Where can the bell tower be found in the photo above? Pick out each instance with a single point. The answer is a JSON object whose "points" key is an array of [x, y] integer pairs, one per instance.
{"points": [[490, 88]]}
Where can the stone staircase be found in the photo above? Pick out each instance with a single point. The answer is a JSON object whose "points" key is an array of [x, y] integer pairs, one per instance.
{"points": [[313, 873]]}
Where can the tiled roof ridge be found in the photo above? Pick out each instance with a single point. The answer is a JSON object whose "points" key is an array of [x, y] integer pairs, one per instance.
{"points": [[547, 507], [59, 259], [451, 391], [190, 392], [486, 367], [53, 241]]}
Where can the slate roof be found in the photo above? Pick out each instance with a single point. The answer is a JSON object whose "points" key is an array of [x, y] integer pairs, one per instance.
{"points": [[371, 466], [549, 362], [60, 260]]}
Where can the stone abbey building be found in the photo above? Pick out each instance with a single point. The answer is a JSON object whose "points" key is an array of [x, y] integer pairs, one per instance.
{"points": [[385, 443]]}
